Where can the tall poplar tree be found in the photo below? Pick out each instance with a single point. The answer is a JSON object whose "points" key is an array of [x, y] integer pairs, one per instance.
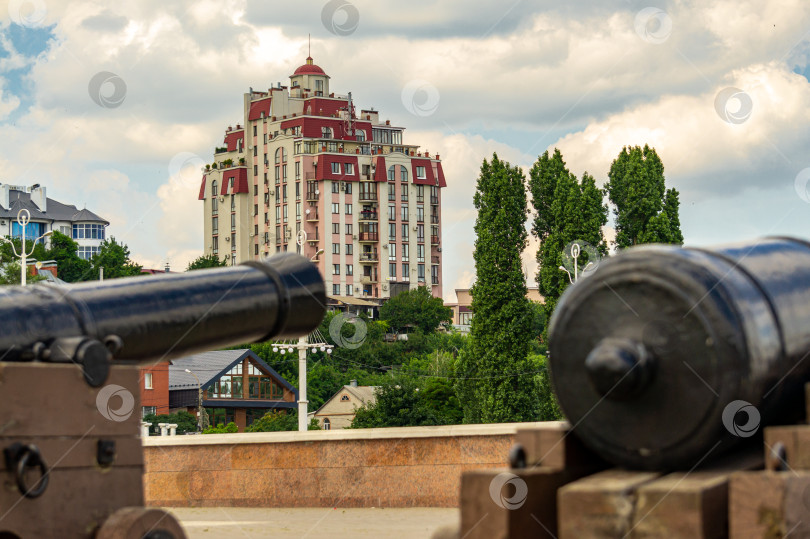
{"points": [[646, 211], [566, 210], [497, 384]]}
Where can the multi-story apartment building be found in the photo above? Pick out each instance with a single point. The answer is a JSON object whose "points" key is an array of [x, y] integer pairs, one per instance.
{"points": [[304, 172], [47, 214]]}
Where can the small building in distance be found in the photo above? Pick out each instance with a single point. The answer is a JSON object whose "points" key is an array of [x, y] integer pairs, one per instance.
{"points": [[83, 226], [338, 412], [154, 383], [462, 308], [237, 386]]}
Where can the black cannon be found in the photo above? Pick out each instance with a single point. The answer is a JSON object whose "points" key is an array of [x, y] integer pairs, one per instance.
{"points": [[71, 469], [665, 357]]}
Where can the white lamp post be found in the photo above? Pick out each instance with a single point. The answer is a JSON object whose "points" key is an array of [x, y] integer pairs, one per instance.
{"points": [[575, 252], [23, 218]]}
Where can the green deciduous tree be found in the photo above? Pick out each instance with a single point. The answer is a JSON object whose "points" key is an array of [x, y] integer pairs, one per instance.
{"points": [[416, 307], [496, 382], [206, 261], [114, 258], [566, 210], [646, 211], [69, 266]]}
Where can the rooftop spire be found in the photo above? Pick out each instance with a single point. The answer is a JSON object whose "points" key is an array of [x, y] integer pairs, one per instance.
{"points": [[309, 45]]}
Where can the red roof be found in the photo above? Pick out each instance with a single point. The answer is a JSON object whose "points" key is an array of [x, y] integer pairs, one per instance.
{"points": [[202, 189], [257, 107], [442, 182], [232, 138], [379, 171], [309, 69], [324, 171], [429, 179], [240, 183]]}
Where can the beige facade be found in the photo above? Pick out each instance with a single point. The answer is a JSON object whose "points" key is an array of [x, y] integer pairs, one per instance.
{"points": [[305, 168], [338, 412], [462, 308]]}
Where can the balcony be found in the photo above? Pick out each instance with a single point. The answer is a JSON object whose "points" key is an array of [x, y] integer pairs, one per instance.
{"points": [[368, 197], [368, 215], [312, 216], [312, 196], [313, 239], [368, 279], [369, 237], [434, 200], [369, 258], [434, 259], [434, 240]]}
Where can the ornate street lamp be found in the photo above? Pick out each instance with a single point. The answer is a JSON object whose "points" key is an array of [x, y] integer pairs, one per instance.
{"points": [[23, 218]]}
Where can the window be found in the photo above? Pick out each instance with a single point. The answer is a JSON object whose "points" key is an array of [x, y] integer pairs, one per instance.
{"points": [[335, 207], [86, 253], [403, 173], [361, 136], [278, 174], [233, 203], [215, 244], [297, 190], [392, 231], [348, 185], [214, 188], [405, 251], [404, 193], [297, 211], [298, 170], [278, 155], [215, 225], [278, 214], [392, 212], [420, 173], [349, 290], [404, 212], [349, 249], [335, 269], [405, 232], [335, 289], [420, 213], [255, 148], [349, 269], [420, 253], [406, 272], [349, 228], [392, 171], [392, 251], [214, 207], [285, 213], [80, 232], [254, 131], [434, 274], [284, 173], [335, 186], [148, 410], [420, 233], [392, 270], [420, 193], [147, 380], [349, 169], [335, 228], [326, 132], [327, 425], [348, 209], [335, 248], [392, 191], [420, 272]]}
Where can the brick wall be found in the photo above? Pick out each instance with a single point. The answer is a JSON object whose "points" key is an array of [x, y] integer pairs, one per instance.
{"points": [[396, 467]]}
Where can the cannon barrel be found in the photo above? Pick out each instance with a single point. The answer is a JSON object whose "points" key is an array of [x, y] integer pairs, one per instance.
{"points": [[664, 356], [161, 317]]}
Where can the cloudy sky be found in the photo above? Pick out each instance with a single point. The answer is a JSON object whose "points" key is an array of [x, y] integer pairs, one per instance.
{"points": [[103, 102]]}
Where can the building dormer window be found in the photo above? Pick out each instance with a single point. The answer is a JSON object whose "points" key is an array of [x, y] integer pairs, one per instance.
{"points": [[344, 398], [326, 132]]}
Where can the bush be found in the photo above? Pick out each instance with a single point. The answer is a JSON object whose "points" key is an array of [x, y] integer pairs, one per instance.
{"points": [[277, 421], [222, 429]]}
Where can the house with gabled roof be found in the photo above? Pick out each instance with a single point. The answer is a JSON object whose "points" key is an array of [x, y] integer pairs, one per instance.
{"points": [[338, 412], [237, 385]]}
